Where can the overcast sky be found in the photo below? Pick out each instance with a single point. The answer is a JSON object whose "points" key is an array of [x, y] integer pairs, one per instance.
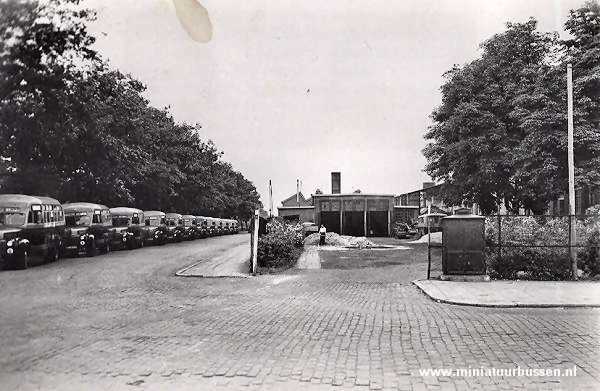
{"points": [[297, 89]]}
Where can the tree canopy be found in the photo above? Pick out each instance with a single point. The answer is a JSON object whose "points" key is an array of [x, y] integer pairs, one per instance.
{"points": [[74, 129], [500, 131]]}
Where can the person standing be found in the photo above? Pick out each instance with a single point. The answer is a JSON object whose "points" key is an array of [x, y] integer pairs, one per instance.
{"points": [[322, 232]]}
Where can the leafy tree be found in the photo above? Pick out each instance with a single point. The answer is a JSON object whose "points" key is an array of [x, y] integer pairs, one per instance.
{"points": [[44, 51], [540, 110], [74, 129], [500, 132], [473, 132], [583, 51]]}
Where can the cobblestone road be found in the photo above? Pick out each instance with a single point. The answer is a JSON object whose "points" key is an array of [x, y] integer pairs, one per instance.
{"points": [[123, 321]]}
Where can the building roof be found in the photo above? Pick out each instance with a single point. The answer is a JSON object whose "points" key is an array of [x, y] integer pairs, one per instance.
{"points": [[353, 195], [296, 207], [291, 200]]}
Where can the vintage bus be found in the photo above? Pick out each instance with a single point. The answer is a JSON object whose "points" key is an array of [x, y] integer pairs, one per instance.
{"points": [[31, 229], [127, 227], [155, 225], [429, 222], [189, 229], [202, 224], [175, 226], [88, 229]]}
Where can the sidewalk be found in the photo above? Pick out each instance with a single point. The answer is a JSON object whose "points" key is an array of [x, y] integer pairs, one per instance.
{"points": [[513, 293], [233, 262], [309, 258]]}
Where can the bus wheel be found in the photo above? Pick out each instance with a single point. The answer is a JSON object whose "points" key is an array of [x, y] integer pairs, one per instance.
{"points": [[54, 255], [24, 264], [92, 250]]}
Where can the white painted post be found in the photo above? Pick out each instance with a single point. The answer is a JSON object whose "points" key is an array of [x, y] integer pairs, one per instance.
{"points": [[255, 242], [571, 163]]}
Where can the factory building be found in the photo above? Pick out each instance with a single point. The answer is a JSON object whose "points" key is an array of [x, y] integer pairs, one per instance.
{"points": [[355, 214]]}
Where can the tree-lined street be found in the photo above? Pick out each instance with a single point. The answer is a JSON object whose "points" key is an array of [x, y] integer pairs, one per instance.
{"points": [[124, 320]]}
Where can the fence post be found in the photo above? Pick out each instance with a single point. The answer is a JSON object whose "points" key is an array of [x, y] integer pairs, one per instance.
{"points": [[499, 237], [572, 254], [428, 249], [254, 241]]}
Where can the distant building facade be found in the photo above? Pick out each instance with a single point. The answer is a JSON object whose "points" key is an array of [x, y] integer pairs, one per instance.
{"points": [[297, 208], [584, 198]]}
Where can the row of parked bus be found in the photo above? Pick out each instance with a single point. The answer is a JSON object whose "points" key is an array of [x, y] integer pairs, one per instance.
{"points": [[34, 230]]}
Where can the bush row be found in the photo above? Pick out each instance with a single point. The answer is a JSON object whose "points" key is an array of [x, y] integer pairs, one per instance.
{"points": [[542, 263]]}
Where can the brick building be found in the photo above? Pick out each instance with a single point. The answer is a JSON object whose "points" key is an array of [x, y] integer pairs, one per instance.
{"points": [[297, 208], [354, 214]]}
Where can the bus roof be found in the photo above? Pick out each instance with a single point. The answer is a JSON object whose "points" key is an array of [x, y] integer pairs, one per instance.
{"points": [[125, 211], [153, 213], [82, 207], [26, 200]]}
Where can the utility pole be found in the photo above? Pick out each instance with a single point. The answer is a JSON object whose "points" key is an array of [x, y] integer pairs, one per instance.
{"points": [[571, 163], [270, 199], [254, 242]]}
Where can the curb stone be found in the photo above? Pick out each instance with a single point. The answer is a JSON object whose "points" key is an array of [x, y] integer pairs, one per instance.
{"points": [[511, 305], [181, 273]]}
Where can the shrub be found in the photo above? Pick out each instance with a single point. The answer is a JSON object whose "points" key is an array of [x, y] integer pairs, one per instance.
{"points": [[281, 246], [529, 264], [588, 258]]}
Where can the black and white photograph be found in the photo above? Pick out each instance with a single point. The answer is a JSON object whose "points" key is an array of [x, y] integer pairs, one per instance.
{"points": [[255, 195]]}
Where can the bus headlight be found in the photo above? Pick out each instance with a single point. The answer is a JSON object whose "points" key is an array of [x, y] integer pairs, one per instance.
{"points": [[82, 243], [9, 251]]}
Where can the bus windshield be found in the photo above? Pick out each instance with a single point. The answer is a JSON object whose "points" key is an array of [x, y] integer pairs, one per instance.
{"points": [[77, 220], [153, 221], [12, 218], [120, 221]]}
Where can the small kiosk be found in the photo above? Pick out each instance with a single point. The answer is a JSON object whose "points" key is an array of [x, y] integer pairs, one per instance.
{"points": [[463, 247]]}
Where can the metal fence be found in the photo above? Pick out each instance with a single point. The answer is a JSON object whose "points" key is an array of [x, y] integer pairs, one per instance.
{"points": [[548, 238], [559, 238]]}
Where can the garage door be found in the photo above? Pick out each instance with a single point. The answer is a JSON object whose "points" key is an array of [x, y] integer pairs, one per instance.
{"points": [[331, 221], [354, 223], [377, 223]]}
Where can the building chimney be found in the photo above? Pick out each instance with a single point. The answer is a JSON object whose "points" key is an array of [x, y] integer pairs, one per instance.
{"points": [[336, 183]]}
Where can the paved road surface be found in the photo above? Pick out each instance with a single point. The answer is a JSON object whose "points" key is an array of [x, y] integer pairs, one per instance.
{"points": [[123, 321]]}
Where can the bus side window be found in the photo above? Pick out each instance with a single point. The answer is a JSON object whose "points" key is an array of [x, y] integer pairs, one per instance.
{"points": [[135, 220], [34, 217], [147, 221], [96, 219]]}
